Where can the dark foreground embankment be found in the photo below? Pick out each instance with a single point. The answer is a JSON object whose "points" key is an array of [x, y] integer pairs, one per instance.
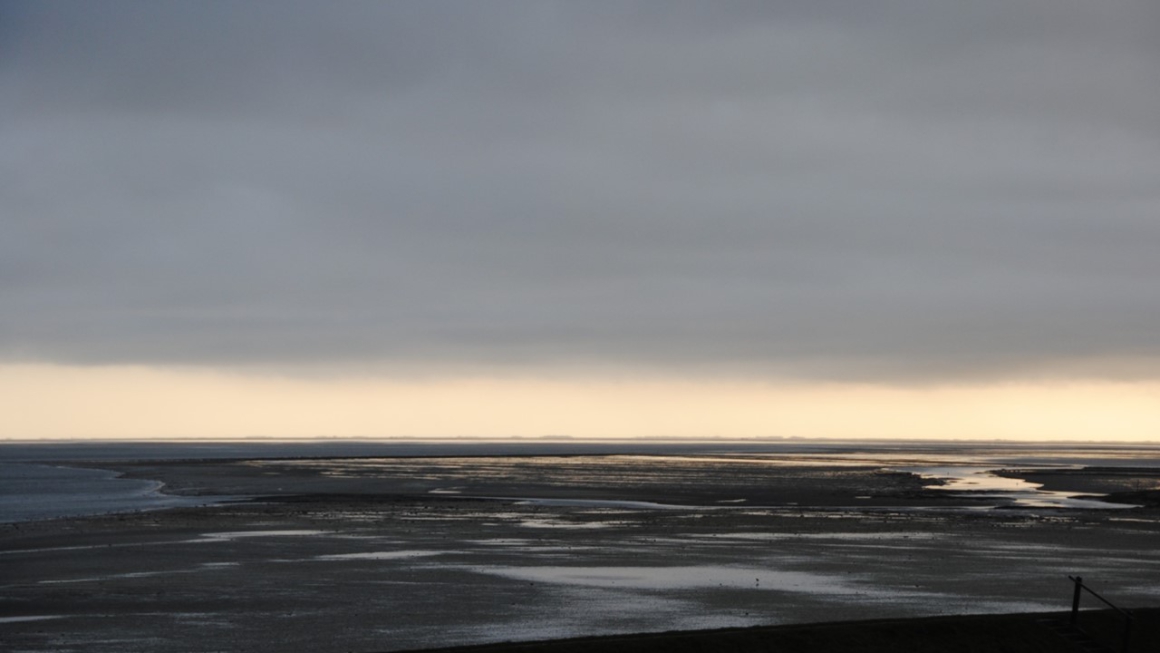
{"points": [[1008, 633]]}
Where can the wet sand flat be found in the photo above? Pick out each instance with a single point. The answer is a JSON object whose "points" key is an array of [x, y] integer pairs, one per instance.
{"points": [[366, 555]]}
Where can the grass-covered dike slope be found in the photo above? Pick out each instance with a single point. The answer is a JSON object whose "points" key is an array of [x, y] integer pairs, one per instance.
{"points": [[1007, 633]]}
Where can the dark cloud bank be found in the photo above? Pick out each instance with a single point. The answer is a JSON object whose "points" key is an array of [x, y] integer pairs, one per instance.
{"points": [[862, 190]]}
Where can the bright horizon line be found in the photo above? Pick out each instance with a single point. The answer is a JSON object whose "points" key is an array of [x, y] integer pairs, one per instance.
{"points": [[564, 439], [54, 402]]}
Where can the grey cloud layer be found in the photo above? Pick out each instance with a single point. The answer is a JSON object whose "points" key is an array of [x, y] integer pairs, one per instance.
{"points": [[899, 190]]}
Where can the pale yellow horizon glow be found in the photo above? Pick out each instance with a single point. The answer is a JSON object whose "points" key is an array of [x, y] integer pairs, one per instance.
{"points": [[64, 402]]}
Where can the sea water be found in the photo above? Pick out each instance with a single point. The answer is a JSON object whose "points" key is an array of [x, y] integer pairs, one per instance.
{"points": [[30, 492]]}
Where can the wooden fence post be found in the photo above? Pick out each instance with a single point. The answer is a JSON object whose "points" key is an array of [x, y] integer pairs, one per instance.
{"points": [[1075, 599]]}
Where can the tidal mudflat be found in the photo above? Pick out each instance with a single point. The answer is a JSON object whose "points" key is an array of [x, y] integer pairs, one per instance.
{"points": [[380, 552]]}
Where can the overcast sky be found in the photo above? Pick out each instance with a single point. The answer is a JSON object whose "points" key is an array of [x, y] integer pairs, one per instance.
{"points": [[846, 191]]}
